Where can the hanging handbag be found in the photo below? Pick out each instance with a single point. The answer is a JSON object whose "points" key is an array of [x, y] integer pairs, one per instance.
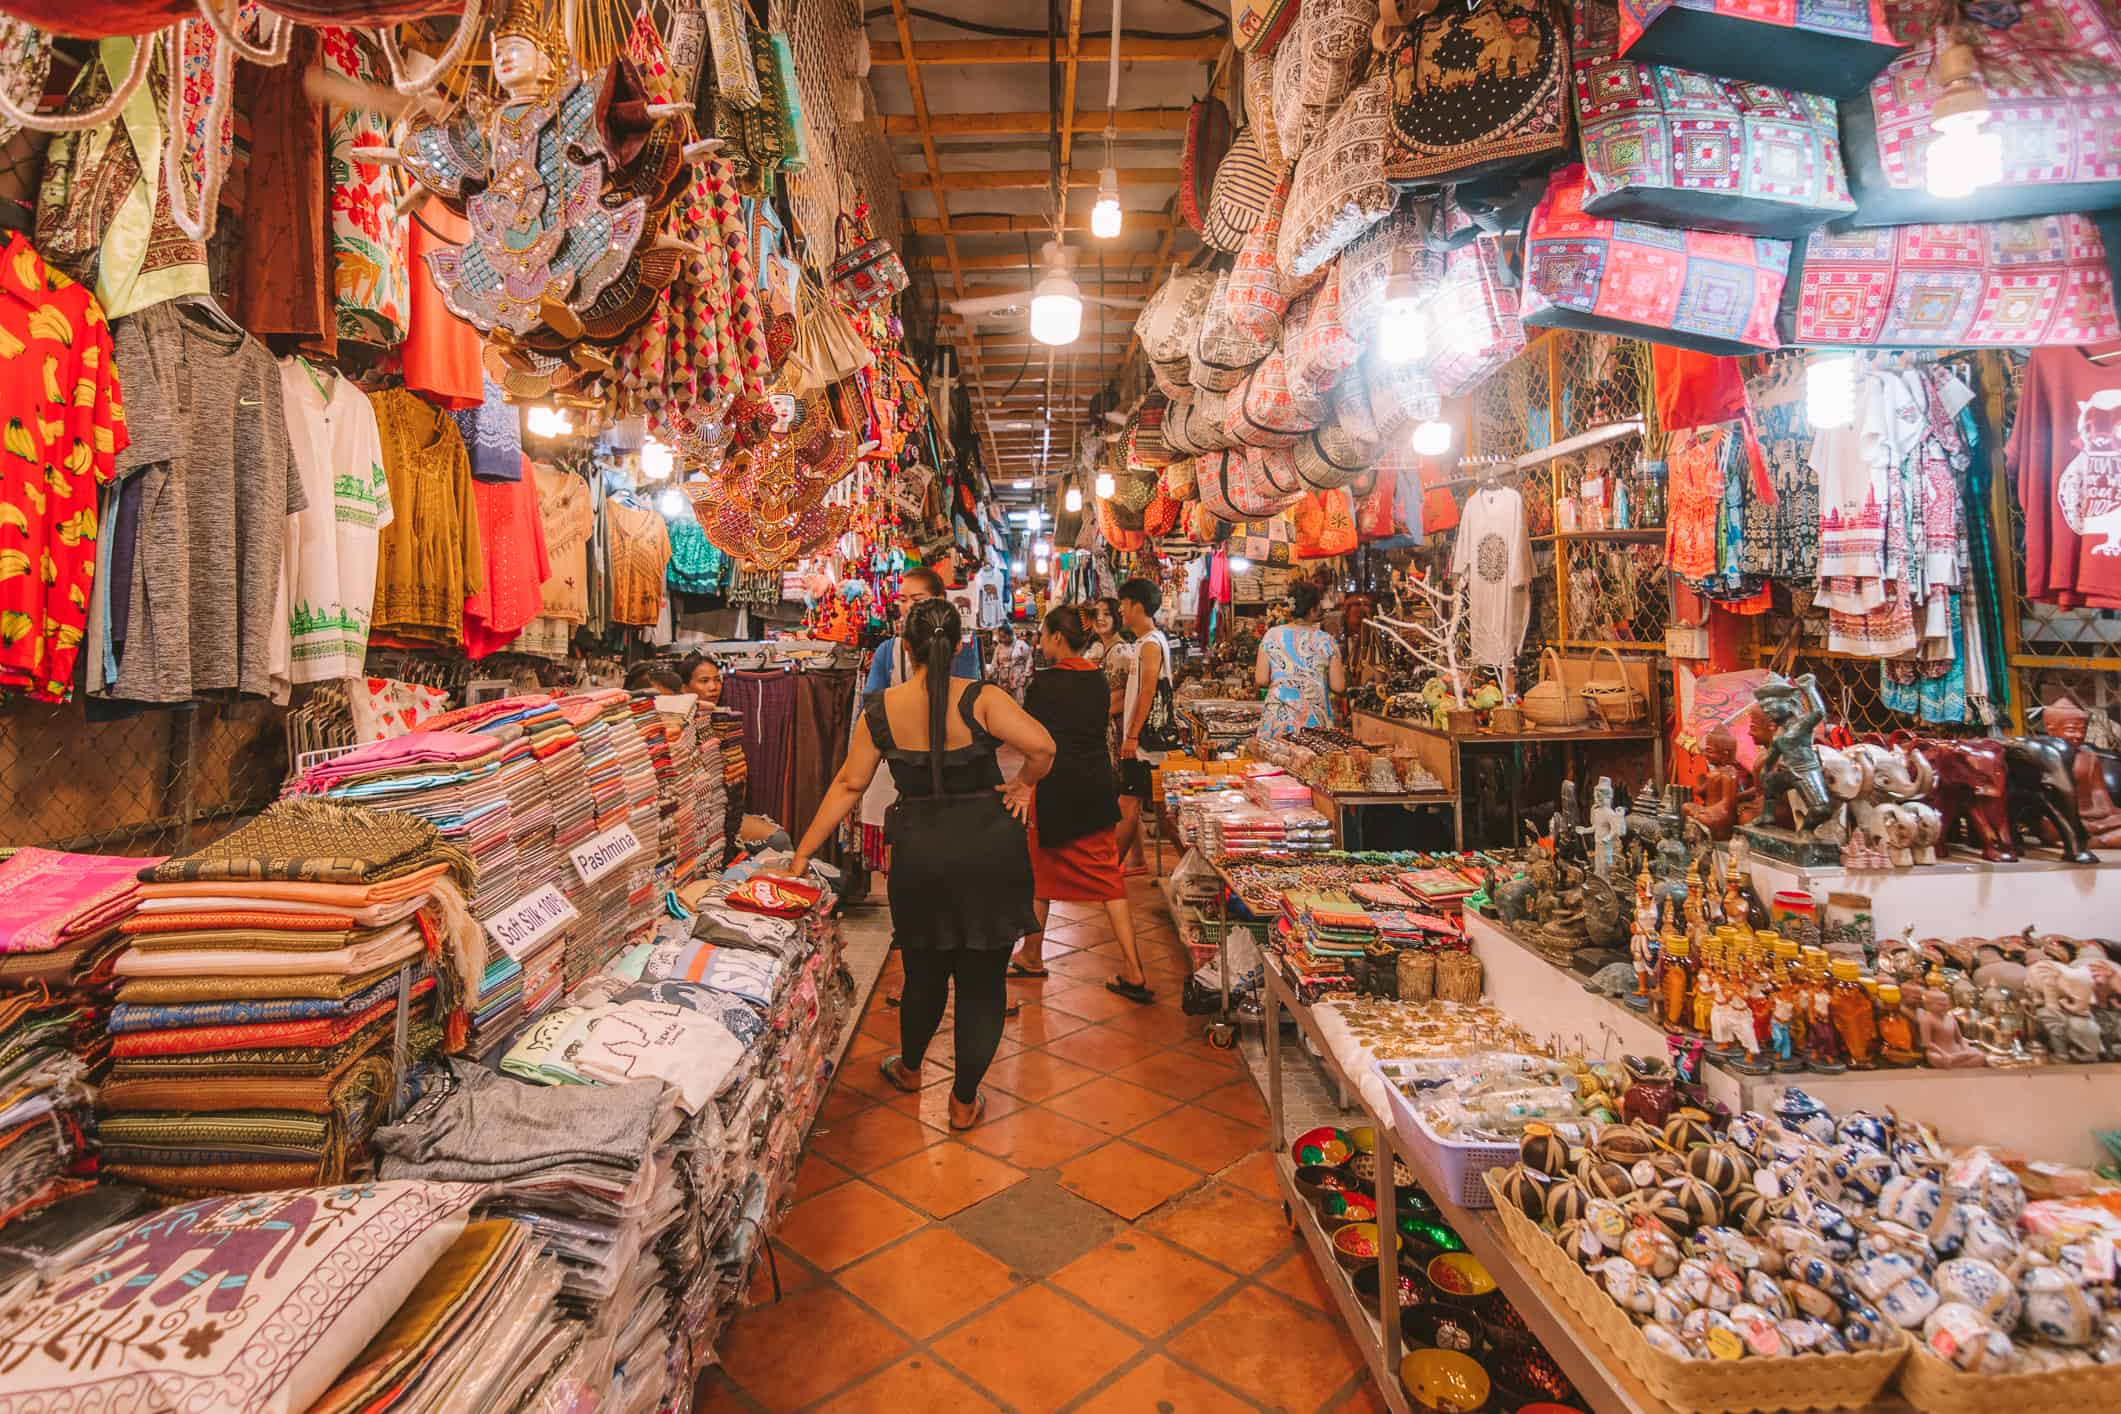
{"points": [[1834, 48], [1207, 141], [1325, 525], [1258, 294], [1223, 354], [1266, 412], [1316, 342], [1365, 266], [1213, 482], [867, 273], [2055, 77], [1340, 189], [2044, 281], [1478, 302], [1259, 110], [1687, 149], [827, 346], [1244, 185], [1699, 290], [1476, 90], [1256, 26], [1159, 729]]}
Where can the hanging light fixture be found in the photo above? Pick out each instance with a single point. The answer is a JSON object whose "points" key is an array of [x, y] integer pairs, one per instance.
{"points": [[1966, 155], [1402, 324], [1105, 217], [1041, 565], [658, 460], [1239, 564], [1016, 566], [1106, 486], [1074, 499], [1043, 548], [548, 422], [1056, 304], [672, 503], [1830, 391], [1432, 438]]}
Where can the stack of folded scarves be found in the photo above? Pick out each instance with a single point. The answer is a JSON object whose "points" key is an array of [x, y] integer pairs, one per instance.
{"points": [[59, 920], [637, 771], [598, 1177], [604, 724], [727, 728], [253, 1040], [699, 758]]}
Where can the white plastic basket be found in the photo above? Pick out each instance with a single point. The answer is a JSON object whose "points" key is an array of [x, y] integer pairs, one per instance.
{"points": [[1458, 1165]]}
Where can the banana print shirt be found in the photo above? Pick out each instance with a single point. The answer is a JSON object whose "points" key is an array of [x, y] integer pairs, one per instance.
{"points": [[64, 425]]}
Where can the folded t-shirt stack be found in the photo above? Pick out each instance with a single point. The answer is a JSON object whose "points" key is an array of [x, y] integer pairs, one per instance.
{"points": [[59, 919], [253, 1044]]}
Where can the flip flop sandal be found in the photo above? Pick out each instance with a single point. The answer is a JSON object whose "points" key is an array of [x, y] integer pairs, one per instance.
{"points": [[889, 1067], [1132, 991], [979, 1112], [1017, 969]]}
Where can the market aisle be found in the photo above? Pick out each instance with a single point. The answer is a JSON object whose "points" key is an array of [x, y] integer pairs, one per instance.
{"points": [[1109, 1240]]}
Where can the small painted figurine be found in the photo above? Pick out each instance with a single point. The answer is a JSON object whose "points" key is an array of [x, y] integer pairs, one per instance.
{"points": [[1714, 806], [1642, 942], [1608, 824], [1789, 765], [1779, 1030]]}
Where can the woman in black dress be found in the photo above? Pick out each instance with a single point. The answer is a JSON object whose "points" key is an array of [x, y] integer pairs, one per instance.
{"points": [[960, 880]]}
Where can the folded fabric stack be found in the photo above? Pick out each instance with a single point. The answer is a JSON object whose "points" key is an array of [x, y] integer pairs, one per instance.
{"points": [[1272, 789], [1442, 888], [698, 757], [637, 770], [1234, 825], [59, 920], [253, 1044], [1427, 931], [478, 1332], [1325, 929], [728, 731], [605, 906], [657, 729]]}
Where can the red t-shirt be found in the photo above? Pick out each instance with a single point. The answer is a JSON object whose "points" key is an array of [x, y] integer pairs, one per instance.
{"points": [[2065, 456]]}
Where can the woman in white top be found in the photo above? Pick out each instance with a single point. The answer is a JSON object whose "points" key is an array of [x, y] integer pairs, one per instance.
{"points": [[1149, 665]]}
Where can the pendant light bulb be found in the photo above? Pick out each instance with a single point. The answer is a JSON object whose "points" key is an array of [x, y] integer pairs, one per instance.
{"points": [[548, 422], [1830, 391], [1105, 215], [658, 460], [1043, 548], [1106, 486], [1074, 499], [1432, 438], [1016, 566], [1056, 304], [1966, 154], [1041, 565], [672, 503], [1402, 324]]}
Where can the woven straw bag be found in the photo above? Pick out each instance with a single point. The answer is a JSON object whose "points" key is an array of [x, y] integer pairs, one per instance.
{"points": [[1550, 702], [1617, 703]]}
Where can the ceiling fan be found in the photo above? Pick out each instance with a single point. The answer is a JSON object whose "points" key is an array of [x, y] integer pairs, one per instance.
{"points": [[1055, 303]]}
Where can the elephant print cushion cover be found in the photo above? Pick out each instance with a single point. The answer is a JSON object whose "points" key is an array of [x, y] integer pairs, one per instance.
{"points": [[250, 1304]]}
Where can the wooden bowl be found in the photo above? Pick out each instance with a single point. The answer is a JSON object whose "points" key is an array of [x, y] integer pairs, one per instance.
{"points": [[1444, 1381], [1315, 1181], [1355, 1245], [1413, 1290], [1460, 1280], [1347, 1206]]}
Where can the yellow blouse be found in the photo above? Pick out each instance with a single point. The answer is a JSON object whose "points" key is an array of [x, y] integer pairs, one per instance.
{"points": [[430, 559]]}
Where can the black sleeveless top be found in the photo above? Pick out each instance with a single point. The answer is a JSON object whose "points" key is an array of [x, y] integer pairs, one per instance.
{"points": [[966, 769]]}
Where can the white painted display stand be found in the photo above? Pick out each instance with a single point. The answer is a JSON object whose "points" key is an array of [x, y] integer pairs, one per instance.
{"points": [[2046, 1112], [1956, 897]]}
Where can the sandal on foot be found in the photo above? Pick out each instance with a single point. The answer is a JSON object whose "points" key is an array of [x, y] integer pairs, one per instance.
{"points": [[979, 1112], [1017, 969], [889, 1066], [1132, 991]]}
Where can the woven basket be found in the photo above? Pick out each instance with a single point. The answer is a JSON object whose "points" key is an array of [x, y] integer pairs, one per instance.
{"points": [[1698, 1386], [1618, 703], [1936, 1388], [1550, 702]]}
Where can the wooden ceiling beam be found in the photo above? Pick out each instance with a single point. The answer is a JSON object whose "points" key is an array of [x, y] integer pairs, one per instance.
{"points": [[996, 223], [1033, 51], [1035, 179], [1014, 263], [1126, 120]]}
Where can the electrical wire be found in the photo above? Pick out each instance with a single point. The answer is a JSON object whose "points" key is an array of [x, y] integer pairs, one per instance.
{"points": [[1019, 32]]}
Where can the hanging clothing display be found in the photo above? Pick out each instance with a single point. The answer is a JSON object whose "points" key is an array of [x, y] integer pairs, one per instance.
{"points": [[218, 481], [639, 545], [493, 435], [370, 281], [1494, 556], [284, 207], [1780, 539], [65, 427], [328, 581], [2065, 459], [432, 558], [441, 352], [766, 704], [823, 722], [513, 535]]}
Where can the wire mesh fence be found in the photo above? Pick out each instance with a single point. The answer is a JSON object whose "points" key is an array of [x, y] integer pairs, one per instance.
{"points": [[156, 783]]}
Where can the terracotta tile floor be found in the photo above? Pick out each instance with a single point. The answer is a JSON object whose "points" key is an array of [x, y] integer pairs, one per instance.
{"points": [[1161, 1276]]}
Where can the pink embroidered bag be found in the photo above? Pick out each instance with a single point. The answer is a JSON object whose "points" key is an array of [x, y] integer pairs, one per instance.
{"points": [[1259, 293], [1266, 411], [1316, 344]]}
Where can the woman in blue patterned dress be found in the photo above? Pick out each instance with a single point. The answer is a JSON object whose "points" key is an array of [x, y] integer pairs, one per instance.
{"points": [[1298, 664]]}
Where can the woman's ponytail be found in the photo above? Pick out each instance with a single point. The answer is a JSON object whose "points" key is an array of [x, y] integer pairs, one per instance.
{"points": [[932, 631]]}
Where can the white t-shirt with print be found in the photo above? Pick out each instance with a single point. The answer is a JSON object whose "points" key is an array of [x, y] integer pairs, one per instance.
{"points": [[1494, 557]]}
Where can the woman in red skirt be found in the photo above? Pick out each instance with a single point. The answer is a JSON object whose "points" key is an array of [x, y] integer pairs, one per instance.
{"points": [[1071, 814]]}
